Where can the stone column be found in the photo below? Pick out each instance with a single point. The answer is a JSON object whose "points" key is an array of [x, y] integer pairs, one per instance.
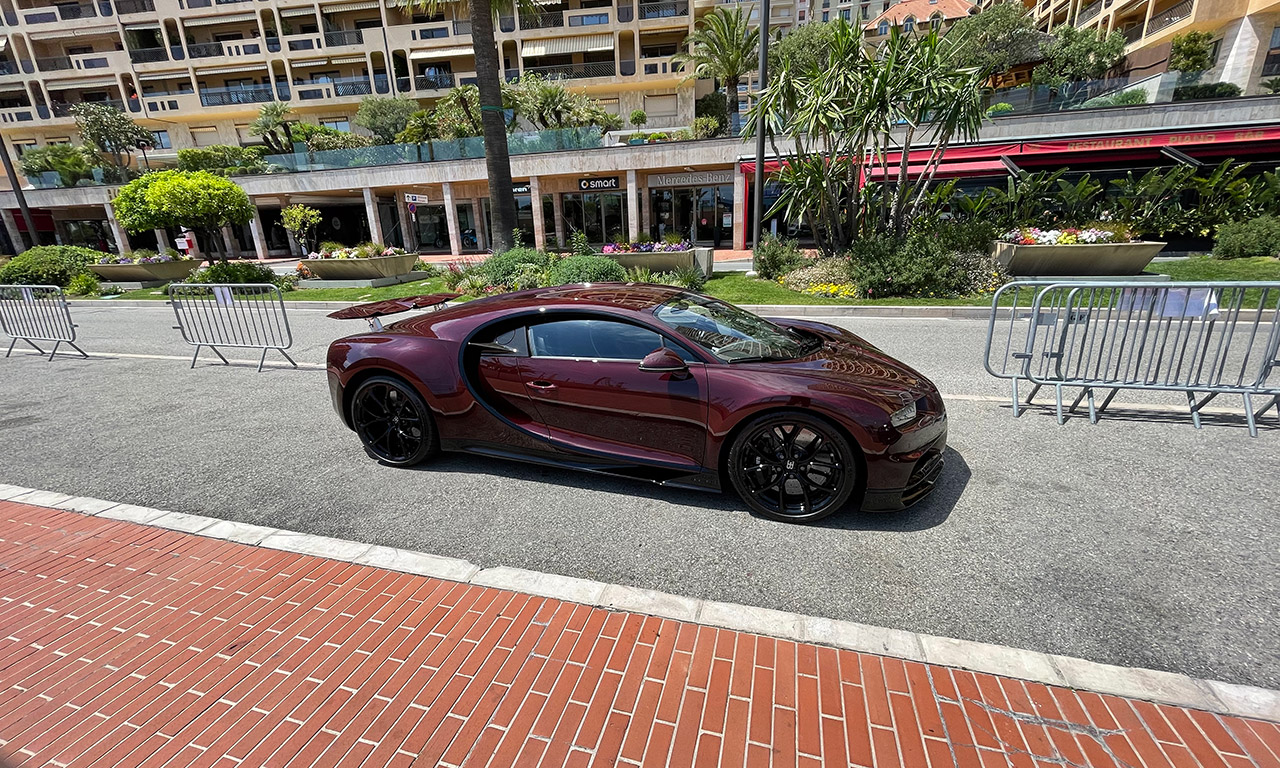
{"points": [[633, 207], [1244, 43], [15, 236], [162, 240], [739, 209], [557, 205], [539, 221], [259, 237], [117, 231], [646, 216], [451, 219], [229, 241], [408, 225], [371, 213], [482, 234]]}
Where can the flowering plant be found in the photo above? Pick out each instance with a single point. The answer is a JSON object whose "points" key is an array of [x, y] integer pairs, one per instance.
{"points": [[143, 256], [365, 251], [1067, 236], [664, 247]]}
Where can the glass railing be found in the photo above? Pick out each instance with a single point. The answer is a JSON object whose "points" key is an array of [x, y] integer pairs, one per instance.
{"points": [[442, 150], [1112, 92]]}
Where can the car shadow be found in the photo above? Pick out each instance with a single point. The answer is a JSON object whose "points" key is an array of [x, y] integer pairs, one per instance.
{"points": [[931, 511]]}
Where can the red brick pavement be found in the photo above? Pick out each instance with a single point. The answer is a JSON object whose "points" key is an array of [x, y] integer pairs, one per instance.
{"points": [[126, 645]]}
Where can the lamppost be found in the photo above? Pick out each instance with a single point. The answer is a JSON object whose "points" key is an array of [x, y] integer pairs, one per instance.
{"points": [[759, 174], [17, 192], [143, 145]]}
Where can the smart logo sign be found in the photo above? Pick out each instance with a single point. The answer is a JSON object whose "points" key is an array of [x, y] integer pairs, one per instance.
{"points": [[598, 183]]}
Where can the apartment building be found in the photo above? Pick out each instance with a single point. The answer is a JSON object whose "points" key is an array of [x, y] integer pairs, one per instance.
{"points": [[1246, 32], [196, 71]]}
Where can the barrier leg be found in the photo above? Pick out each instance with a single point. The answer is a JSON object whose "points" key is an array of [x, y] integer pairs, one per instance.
{"points": [[1093, 412], [1057, 391], [1108, 400], [29, 343], [1195, 408], [1032, 395], [56, 344], [1080, 398], [262, 359], [290, 359], [215, 351], [83, 354], [1015, 397], [1248, 415], [1272, 403]]}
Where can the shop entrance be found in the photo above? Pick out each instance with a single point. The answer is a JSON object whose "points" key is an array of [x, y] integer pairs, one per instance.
{"points": [[601, 215], [701, 215]]}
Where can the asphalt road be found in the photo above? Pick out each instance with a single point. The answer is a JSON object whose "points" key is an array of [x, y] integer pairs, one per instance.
{"points": [[1140, 541]]}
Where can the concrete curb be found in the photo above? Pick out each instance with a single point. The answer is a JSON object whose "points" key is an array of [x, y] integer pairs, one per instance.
{"points": [[1147, 684]]}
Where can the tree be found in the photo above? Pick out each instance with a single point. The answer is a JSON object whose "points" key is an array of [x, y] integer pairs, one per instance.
{"points": [[497, 156], [724, 46], [548, 105], [319, 138], [803, 47], [998, 39], [300, 221], [1190, 54], [198, 200], [274, 126], [105, 129], [458, 116], [70, 163], [385, 117], [1079, 54]]}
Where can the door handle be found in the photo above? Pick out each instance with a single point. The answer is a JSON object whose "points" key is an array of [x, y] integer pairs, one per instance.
{"points": [[542, 384]]}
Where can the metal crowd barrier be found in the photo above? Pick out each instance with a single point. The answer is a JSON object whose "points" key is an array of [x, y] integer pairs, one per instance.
{"points": [[1197, 338], [34, 313], [244, 315]]}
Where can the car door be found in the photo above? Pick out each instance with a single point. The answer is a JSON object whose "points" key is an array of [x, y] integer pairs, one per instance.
{"points": [[583, 374], [497, 359]]}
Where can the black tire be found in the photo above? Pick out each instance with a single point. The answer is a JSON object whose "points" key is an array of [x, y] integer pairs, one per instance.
{"points": [[393, 422], [793, 467]]}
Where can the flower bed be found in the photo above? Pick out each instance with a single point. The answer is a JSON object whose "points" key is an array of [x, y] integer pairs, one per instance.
{"points": [[362, 262], [1070, 252], [143, 267], [1067, 236], [650, 247]]}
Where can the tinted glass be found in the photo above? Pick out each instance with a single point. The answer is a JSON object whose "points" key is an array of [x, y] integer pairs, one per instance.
{"points": [[592, 339], [730, 333]]}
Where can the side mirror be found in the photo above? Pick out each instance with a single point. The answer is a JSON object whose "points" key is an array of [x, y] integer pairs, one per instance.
{"points": [[663, 361]]}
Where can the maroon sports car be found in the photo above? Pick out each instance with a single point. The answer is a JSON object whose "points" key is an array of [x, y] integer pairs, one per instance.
{"points": [[650, 382]]}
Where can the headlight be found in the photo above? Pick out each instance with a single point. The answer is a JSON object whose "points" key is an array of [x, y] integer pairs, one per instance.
{"points": [[905, 415]]}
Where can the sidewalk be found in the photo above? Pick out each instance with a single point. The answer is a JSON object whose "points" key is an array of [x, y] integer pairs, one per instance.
{"points": [[130, 645]]}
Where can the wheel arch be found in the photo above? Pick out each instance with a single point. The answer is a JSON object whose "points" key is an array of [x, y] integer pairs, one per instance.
{"points": [[377, 368]]}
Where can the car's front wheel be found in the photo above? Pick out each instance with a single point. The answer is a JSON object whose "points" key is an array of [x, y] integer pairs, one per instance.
{"points": [[792, 467], [393, 421]]}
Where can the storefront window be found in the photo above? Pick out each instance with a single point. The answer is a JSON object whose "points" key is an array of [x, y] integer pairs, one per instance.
{"points": [[433, 231], [524, 218], [601, 215], [702, 215]]}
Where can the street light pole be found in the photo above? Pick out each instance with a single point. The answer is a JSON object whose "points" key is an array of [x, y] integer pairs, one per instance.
{"points": [[759, 174], [17, 192]]}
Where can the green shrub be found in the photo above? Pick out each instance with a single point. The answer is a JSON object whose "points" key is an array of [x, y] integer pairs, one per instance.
{"points": [[972, 236], [829, 271], [715, 106], [1122, 99], [999, 108], [705, 127], [72, 164], [329, 246], [586, 269], [638, 117], [503, 268], [1206, 91], [1244, 239], [917, 266], [49, 265], [689, 278], [580, 245], [222, 158], [775, 257], [240, 272], [84, 284]]}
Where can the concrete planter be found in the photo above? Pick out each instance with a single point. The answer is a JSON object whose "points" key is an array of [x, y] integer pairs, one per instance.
{"points": [[666, 261], [1101, 259], [361, 269], [156, 272]]}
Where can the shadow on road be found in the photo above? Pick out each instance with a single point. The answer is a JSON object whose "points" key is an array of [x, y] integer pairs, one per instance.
{"points": [[1220, 419], [930, 512]]}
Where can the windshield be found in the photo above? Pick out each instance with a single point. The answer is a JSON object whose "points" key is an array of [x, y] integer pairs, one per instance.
{"points": [[731, 334]]}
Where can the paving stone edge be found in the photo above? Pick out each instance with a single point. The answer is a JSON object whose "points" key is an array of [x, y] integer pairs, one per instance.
{"points": [[1147, 684]]}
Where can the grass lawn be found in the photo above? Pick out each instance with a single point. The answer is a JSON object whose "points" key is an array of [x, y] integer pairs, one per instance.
{"points": [[737, 288]]}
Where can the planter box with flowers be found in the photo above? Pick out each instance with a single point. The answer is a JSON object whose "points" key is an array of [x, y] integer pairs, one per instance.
{"points": [[378, 264], [1032, 252], [146, 270], [661, 257]]}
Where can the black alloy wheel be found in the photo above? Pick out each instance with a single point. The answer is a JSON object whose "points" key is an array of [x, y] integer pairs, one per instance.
{"points": [[393, 422], [793, 467]]}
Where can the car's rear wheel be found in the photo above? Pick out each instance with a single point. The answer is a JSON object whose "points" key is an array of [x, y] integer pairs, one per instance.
{"points": [[393, 421], [793, 467]]}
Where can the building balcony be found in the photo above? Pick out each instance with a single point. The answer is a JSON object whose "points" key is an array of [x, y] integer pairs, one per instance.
{"points": [[575, 71], [205, 50], [148, 55], [668, 9], [63, 108], [17, 115], [436, 81], [1170, 16], [340, 38], [185, 102], [1089, 13], [462, 27], [127, 7], [68, 12], [658, 66], [546, 20], [339, 87], [589, 18], [304, 42], [240, 94]]}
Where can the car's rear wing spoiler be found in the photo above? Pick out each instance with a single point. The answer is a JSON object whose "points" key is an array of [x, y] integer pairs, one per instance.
{"points": [[376, 309]]}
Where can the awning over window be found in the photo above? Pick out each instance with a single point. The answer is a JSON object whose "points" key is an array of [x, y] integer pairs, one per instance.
{"points": [[234, 18], [163, 76], [141, 27], [229, 70], [554, 46], [290, 12], [341, 7], [348, 60], [96, 82], [442, 53]]}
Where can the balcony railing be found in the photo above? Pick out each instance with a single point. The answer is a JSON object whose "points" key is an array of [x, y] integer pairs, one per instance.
{"points": [[462, 27], [135, 6], [53, 63], [434, 81], [1132, 34], [63, 109], [664, 10], [143, 55], [352, 86], [589, 19], [343, 37], [545, 20], [204, 50], [9, 68], [574, 71], [79, 11], [507, 23], [240, 94], [1170, 16], [404, 84], [1089, 13]]}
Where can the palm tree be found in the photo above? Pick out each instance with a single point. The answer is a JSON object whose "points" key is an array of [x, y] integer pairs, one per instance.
{"points": [[272, 124], [724, 47], [497, 157]]}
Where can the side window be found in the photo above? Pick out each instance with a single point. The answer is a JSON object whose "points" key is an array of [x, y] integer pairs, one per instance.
{"points": [[592, 339], [510, 341]]}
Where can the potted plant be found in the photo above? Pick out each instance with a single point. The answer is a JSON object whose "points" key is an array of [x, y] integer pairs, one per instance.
{"points": [[1103, 249], [145, 266], [638, 119], [368, 261], [658, 136], [673, 254]]}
